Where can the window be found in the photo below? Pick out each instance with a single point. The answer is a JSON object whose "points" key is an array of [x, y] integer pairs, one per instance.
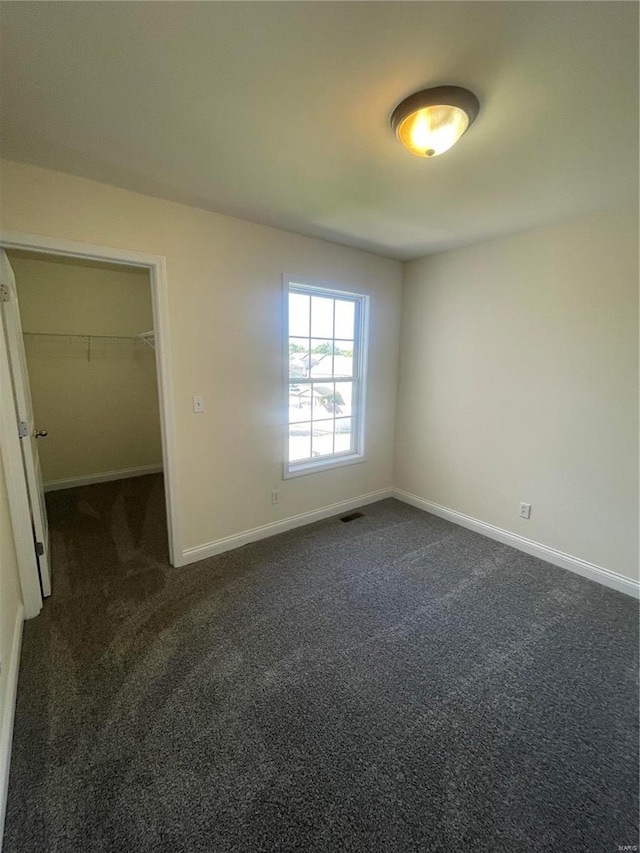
{"points": [[326, 350]]}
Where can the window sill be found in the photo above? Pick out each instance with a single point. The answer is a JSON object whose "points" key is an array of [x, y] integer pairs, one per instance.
{"points": [[322, 465]]}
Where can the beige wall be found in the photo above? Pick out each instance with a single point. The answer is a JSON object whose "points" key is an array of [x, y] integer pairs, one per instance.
{"points": [[225, 302], [10, 596], [100, 407], [519, 382], [518, 375]]}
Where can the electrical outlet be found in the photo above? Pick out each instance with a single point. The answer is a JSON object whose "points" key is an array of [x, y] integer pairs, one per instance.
{"points": [[275, 497], [198, 404], [525, 510]]}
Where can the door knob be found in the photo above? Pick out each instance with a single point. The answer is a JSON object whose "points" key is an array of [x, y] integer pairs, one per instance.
{"points": [[40, 433]]}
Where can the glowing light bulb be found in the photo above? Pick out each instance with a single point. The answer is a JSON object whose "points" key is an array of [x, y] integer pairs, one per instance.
{"points": [[433, 130], [420, 131]]}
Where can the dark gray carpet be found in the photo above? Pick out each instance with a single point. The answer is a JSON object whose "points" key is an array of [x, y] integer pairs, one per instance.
{"points": [[392, 684]]}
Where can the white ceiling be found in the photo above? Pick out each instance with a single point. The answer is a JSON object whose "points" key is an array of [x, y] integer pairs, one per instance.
{"points": [[279, 112]]}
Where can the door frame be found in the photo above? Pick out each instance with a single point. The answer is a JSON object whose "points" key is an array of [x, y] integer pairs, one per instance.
{"points": [[16, 484]]}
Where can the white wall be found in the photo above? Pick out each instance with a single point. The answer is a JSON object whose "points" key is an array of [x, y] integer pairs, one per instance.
{"points": [[100, 408], [519, 382], [225, 300]]}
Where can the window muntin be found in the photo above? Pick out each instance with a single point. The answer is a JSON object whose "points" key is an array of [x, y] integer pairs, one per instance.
{"points": [[324, 387]]}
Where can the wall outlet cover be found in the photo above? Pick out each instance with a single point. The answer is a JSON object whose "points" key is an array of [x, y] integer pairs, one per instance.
{"points": [[525, 510]]}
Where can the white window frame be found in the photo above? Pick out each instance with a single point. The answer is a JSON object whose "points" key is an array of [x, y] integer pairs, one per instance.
{"points": [[294, 284]]}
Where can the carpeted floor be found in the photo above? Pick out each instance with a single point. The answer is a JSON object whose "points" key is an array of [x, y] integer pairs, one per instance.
{"points": [[396, 683]]}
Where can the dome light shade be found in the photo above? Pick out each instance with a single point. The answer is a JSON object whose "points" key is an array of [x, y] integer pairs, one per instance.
{"points": [[430, 122]]}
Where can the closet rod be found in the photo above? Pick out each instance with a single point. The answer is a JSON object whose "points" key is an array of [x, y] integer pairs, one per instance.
{"points": [[147, 338], [84, 337]]}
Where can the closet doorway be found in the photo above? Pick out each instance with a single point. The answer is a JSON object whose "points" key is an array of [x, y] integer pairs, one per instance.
{"points": [[100, 402]]}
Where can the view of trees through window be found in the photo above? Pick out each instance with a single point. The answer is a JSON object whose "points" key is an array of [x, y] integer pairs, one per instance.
{"points": [[322, 342]]}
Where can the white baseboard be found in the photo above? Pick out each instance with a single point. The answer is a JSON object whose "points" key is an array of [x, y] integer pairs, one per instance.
{"points": [[210, 549], [8, 712], [106, 476], [536, 549]]}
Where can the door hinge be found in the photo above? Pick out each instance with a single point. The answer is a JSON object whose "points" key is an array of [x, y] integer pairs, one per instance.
{"points": [[39, 549], [23, 429], [4, 293]]}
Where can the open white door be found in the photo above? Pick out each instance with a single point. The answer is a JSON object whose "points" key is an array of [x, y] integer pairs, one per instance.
{"points": [[26, 425]]}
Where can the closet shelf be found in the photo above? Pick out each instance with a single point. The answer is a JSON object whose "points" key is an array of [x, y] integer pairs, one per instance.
{"points": [[82, 337], [147, 338]]}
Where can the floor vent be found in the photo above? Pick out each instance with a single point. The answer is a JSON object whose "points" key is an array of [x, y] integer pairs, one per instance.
{"points": [[352, 517]]}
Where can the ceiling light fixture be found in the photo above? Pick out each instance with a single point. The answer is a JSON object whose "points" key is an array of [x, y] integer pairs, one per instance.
{"points": [[430, 122]]}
